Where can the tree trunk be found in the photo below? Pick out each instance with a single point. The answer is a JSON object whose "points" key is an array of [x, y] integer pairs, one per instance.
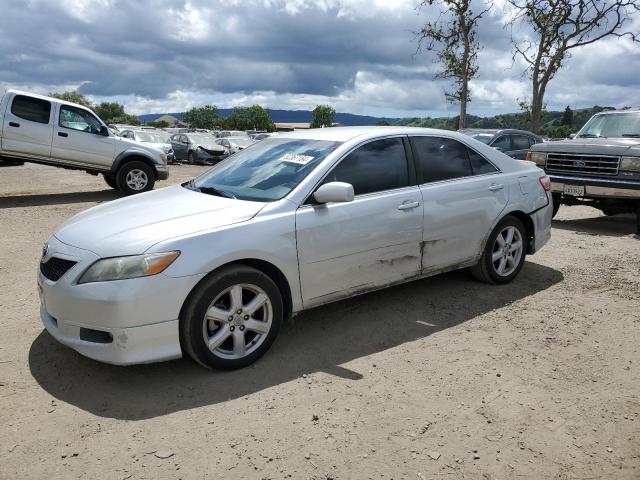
{"points": [[536, 112], [462, 122]]}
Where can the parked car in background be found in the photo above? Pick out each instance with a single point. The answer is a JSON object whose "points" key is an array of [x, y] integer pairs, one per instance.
{"points": [[234, 144], [212, 267], [157, 138], [600, 166], [260, 136], [232, 133], [197, 148], [515, 143], [51, 131]]}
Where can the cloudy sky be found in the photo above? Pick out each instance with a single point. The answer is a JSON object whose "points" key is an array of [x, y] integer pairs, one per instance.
{"points": [[357, 55]]}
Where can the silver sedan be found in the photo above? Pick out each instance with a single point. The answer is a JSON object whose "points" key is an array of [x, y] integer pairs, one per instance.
{"points": [[212, 267]]}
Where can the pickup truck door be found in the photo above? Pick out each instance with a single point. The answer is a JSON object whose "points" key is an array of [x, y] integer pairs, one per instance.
{"points": [[77, 139], [27, 127]]}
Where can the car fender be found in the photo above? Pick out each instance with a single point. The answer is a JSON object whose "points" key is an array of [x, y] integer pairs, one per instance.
{"points": [[141, 153]]}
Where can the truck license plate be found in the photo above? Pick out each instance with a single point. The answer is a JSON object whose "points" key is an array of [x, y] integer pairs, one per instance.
{"points": [[575, 190]]}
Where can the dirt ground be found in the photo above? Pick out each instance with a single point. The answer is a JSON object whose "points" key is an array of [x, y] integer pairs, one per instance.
{"points": [[440, 378]]}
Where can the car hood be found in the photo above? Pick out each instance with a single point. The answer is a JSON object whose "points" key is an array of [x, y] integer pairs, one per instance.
{"points": [[210, 146], [150, 147], [131, 225], [592, 146]]}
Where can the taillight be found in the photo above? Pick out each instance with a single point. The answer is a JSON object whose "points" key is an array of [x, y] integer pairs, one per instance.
{"points": [[545, 181]]}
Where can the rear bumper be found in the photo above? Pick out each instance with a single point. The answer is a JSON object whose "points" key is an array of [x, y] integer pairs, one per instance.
{"points": [[542, 225], [597, 187]]}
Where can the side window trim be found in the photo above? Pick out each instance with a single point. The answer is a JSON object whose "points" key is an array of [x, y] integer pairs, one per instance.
{"points": [[309, 201]]}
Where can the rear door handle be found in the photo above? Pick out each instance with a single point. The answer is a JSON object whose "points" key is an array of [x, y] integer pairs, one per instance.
{"points": [[495, 187], [14, 124], [408, 205], [63, 134]]}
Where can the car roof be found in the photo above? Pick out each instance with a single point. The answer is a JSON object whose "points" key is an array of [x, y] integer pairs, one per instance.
{"points": [[344, 134], [44, 97], [495, 131]]}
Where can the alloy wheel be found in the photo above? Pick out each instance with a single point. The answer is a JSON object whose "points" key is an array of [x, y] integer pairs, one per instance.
{"points": [[507, 251], [136, 179]]}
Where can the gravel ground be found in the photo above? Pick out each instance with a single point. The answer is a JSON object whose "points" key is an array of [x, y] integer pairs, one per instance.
{"points": [[440, 378]]}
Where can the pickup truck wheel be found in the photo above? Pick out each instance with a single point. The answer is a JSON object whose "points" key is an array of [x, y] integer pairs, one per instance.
{"points": [[110, 179], [504, 253], [232, 318], [556, 205], [135, 177]]}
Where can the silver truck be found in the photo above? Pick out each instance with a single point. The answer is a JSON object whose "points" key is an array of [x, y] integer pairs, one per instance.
{"points": [[600, 166], [50, 131]]}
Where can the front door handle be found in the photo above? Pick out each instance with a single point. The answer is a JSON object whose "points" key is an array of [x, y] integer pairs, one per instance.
{"points": [[14, 124], [63, 134], [408, 205], [496, 186]]}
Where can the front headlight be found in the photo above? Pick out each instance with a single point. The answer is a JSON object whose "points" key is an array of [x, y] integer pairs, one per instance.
{"points": [[164, 158], [538, 158], [134, 266], [630, 163]]}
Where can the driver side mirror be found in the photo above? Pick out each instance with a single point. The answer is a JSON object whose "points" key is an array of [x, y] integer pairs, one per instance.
{"points": [[336, 192], [104, 131]]}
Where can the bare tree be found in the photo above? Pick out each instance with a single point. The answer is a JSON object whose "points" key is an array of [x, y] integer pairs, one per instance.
{"points": [[453, 37], [559, 27]]}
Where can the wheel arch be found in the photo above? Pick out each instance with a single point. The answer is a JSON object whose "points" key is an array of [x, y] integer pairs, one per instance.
{"points": [[269, 269], [127, 157], [528, 225]]}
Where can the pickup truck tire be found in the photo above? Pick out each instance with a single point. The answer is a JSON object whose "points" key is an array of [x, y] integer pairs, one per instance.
{"points": [[135, 177], [556, 207], [503, 254], [110, 179]]}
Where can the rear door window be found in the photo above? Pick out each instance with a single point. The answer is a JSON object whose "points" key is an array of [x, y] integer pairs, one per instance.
{"points": [[377, 166], [441, 158], [32, 109], [479, 164]]}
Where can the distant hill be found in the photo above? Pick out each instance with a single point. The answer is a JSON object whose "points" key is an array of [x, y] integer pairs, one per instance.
{"points": [[290, 116], [551, 120]]}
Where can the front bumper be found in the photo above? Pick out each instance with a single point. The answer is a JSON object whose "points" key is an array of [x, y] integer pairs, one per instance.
{"points": [[162, 172], [135, 320], [598, 187]]}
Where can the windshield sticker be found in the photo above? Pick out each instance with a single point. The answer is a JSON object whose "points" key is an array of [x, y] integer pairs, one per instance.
{"points": [[296, 158]]}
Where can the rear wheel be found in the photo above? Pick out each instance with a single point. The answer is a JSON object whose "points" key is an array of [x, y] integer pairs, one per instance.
{"points": [[232, 318], [504, 253], [110, 179], [135, 177], [556, 205], [191, 158]]}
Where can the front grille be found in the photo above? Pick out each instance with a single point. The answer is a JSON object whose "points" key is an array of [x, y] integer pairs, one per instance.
{"points": [[55, 268], [583, 164]]}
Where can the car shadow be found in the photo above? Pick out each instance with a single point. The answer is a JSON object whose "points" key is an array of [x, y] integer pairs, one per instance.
{"points": [[321, 340], [17, 201], [613, 226]]}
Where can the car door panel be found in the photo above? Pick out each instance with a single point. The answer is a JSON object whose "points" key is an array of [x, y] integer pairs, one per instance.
{"points": [[72, 144], [345, 248], [28, 132]]}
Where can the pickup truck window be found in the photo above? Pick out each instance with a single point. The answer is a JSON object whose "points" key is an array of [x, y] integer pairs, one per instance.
{"points": [[78, 119], [32, 109], [612, 125]]}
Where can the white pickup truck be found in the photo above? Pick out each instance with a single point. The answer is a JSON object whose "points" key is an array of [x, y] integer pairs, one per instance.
{"points": [[53, 132]]}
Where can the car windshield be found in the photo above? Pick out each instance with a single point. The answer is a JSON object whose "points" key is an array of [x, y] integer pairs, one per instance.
{"points": [[482, 137], [612, 125], [241, 142], [265, 171], [151, 137], [202, 138]]}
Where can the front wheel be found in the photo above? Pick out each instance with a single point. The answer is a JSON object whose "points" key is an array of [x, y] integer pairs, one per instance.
{"points": [[110, 180], [135, 177], [232, 318], [504, 253]]}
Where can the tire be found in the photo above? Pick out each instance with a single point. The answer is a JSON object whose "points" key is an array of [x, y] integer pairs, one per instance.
{"points": [[135, 177], [111, 180], [238, 337], [489, 271], [191, 158], [556, 206]]}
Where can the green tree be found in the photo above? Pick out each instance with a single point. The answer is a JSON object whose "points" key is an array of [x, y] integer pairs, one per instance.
{"points": [[109, 110], [125, 118], [323, 116], [452, 36], [203, 117], [382, 123], [250, 118], [567, 116], [74, 97], [158, 124]]}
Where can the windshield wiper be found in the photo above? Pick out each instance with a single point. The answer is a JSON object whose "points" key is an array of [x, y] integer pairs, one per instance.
{"points": [[215, 191], [632, 135]]}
